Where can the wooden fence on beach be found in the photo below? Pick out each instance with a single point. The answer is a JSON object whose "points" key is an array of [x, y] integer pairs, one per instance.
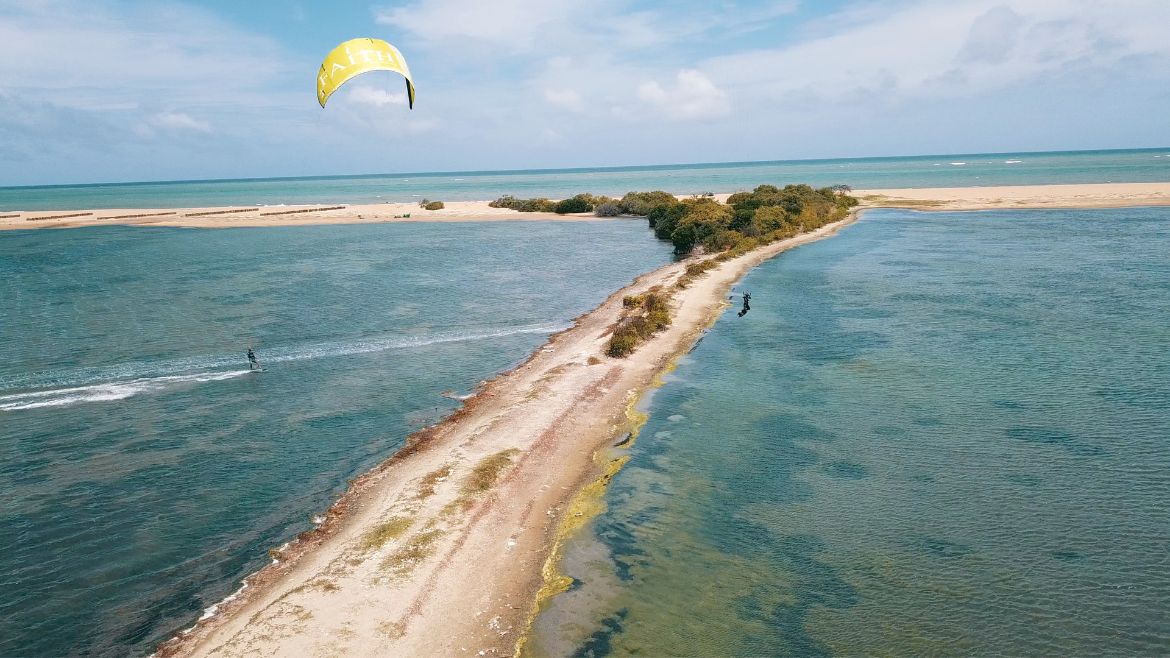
{"points": [[76, 214], [206, 213], [302, 210], [144, 214]]}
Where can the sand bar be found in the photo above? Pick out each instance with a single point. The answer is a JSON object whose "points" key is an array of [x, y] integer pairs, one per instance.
{"points": [[441, 550], [1103, 195]]}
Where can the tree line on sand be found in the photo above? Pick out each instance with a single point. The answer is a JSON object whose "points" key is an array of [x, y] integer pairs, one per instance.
{"points": [[746, 221]]}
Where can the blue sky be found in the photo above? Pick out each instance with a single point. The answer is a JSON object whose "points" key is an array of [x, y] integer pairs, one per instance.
{"points": [[115, 91]]}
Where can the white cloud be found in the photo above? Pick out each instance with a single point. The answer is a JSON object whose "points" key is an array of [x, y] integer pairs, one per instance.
{"points": [[548, 26], [366, 95], [149, 53], [954, 49], [567, 99], [512, 25], [692, 97], [180, 122]]}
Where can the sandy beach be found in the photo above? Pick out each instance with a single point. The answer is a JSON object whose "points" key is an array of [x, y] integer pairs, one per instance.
{"points": [[443, 549], [1103, 195]]}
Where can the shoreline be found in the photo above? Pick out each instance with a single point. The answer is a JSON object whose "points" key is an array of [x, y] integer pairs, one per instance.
{"points": [[449, 546], [1094, 195]]}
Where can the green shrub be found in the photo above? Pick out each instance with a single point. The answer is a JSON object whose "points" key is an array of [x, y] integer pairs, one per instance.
{"points": [[523, 205], [695, 269], [434, 205], [642, 203], [574, 204], [608, 209], [623, 342], [653, 315], [506, 201], [538, 205]]}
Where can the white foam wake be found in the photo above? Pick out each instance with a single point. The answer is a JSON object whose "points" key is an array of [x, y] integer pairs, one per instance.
{"points": [[119, 382], [106, 392]]}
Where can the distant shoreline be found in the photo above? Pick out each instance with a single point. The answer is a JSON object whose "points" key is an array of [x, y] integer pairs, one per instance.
{"points": [[1097, 195]]}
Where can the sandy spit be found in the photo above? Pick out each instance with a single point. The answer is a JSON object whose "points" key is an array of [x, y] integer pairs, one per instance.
{"points": [[1104, 195], [439, 550]]}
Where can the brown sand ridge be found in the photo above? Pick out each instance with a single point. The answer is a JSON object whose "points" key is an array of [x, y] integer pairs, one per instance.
{"points": [[439, 551]]}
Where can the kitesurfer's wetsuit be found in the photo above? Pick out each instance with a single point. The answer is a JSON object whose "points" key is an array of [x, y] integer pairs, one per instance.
{"points": [[252, 362]]}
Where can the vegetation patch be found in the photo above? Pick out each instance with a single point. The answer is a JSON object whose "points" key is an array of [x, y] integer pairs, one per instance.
{"points": [[427, 204], [539, 204], [379, 535], [426, 487], [417, 549], [392, 629], [487, 471], [645, 316]]}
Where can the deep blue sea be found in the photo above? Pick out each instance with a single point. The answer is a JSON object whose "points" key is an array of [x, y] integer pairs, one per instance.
{"points": [[962, 170], [934, 434], [144, 471]]}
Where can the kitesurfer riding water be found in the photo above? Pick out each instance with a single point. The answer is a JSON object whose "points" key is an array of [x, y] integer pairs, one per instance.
{"points": [[747, 297], [253, 364]]}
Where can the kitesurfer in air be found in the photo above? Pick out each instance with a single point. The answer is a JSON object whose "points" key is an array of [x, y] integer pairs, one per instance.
{"points": [[253, 364]]}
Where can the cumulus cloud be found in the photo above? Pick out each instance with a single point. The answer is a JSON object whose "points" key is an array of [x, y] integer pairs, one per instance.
{"points": [[953, 49], [118, 54], [693, 96]]}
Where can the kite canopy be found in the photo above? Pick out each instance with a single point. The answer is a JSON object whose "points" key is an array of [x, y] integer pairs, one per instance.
{"points": [[358, 56]]}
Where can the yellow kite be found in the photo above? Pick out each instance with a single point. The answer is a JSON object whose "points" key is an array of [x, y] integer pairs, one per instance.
{"points": [[358, 56]]}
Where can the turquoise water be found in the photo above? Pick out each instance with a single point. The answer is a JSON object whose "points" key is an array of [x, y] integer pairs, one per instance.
{"points": [[934, 434], [144, 472], [966, 170]]}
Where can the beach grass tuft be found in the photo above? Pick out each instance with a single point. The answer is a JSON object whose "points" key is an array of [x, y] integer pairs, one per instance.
{"points": [[426, 487], [417, 549], [392, 629], [379, 535], [487, 471]]}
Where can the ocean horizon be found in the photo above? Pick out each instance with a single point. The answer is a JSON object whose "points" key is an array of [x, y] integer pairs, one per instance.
{"points": [[940, 170]]}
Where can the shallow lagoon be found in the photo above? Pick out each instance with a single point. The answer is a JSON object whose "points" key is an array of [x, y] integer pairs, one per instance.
{"points": [[933, 434], [145, 472]]}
